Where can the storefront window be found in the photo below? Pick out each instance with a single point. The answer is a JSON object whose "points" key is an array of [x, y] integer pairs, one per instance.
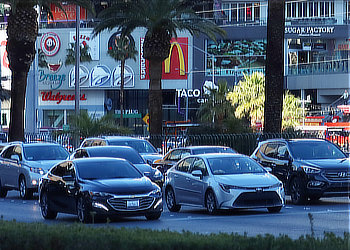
{"points": [[241, 12], [324, 9]]}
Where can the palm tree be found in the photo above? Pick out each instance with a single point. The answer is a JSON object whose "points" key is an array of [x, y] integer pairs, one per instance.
{"points": [[22, 32], [162, 19], [84, 54], [274, 66], [122, 49]]}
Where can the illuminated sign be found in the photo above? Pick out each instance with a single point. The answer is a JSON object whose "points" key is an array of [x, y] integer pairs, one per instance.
{"points": [[309, 30], [57, 97], [50, 43], [175, 66], [69, 13]]}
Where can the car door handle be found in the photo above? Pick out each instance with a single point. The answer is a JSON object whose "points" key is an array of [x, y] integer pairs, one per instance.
{"points": [[273, 164]]}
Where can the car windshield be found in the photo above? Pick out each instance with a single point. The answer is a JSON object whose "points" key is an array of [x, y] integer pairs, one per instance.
{"points": [[97, 170], [44, 153], [140, 146], [212, 150], [311, 150], [130, 155], [234, 165]]}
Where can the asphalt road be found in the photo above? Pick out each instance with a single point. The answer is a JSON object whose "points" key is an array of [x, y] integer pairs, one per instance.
{"points": [[329, 215]]}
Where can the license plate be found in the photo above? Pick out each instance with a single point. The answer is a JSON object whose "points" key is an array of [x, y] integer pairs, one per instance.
{"points": [[133, 203]]}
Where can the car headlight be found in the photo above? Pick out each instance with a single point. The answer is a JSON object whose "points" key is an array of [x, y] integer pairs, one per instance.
{"points": [[157, 174], [310, 170], [37, 170], [98, 194], [227, 188], [156, 193], [277, 185]]}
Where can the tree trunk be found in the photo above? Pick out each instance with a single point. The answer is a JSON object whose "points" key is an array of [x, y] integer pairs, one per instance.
{"points": [[122, 66], [155, 100], [274, 67], [18, 93]]}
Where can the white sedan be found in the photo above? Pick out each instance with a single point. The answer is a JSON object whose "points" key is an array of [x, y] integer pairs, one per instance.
{"points": [[222, 181]]}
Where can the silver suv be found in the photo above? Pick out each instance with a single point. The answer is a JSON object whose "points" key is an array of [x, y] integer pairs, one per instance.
{"points": [[22, 164]]}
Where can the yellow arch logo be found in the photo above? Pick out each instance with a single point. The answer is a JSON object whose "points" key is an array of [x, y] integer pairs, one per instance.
{"points": [[181, 59]]}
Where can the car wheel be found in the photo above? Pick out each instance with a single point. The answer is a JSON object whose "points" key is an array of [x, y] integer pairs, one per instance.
{"points": [[46, 211], [170, 200], [210, 202], [153, 216], [274, 209], [24, 192], [297, 192], [83, 213], [3, 191]]}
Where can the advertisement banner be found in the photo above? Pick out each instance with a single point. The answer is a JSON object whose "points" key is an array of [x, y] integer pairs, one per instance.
{"points": [[175, 67]]}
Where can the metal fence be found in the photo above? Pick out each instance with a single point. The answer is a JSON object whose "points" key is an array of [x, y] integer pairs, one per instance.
{"points": [[242, 143]]}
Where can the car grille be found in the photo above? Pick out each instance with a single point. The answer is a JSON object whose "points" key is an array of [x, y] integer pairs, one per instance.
{"points": [[257, 199], [337, 175], [120, 204]]}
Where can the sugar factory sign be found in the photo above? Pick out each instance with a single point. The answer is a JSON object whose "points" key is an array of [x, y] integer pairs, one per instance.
{"points": [[309, 30]]}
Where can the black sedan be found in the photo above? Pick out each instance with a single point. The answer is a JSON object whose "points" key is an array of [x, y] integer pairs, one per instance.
{"points": [[309, 168], [101, 187], [124, 152], [176, 154]]}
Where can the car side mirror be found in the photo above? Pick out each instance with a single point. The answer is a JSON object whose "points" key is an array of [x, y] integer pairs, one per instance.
{"points": [[147, 174], [268, 169], [197, 173], [15, 157], [68, 178]]}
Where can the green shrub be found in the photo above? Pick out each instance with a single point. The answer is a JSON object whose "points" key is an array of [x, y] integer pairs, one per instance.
{"points": [[37, 236]]}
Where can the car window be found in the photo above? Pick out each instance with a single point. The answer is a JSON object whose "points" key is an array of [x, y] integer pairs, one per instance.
{"points": [[98, 142], [174, 155], [282, 151], [45, 152], [91, 170], [124, 153], [199, 164], [185, 153], [80, 154], [271, 150], [213, 150], [184, 165], [234, 165], [308, 150], [8, 152], [141, 146], [64, 169]]}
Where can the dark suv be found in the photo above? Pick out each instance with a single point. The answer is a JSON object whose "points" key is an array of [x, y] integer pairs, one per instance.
{"points": [[309, 168]]}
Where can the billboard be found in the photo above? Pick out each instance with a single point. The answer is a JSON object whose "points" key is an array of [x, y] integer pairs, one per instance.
{"points": [[174, 67]]}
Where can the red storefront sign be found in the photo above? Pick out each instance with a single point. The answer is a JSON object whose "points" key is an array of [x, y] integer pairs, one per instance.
{"points": [[47, 96], [175, 66], [70, 15]]}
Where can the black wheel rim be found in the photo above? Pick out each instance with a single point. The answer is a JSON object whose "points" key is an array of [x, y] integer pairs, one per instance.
{"points": [[22, 188], [295, 190], [44, 205], [170, 198], [210, 202], [81, 210]]}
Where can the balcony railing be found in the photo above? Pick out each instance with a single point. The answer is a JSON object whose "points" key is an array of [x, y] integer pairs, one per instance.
{"points": [[319, 68]]}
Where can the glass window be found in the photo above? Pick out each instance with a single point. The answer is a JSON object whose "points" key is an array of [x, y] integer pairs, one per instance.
{"points": [[234, 12], [64, 169], [184, 165], [271, 150], [241, 11], [174, 155], [234, 165], [199, 164], [103, 169], [282, 152], [226, 12], [44, 152], [256, 11], [307, 150], [124, 153], [140, 146], [249, 12]]}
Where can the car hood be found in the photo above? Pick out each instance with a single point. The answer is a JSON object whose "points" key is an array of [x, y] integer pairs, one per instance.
{"points": [[247, 180], [144, 168], [46, 165], [120, 186], [150, 158], [328, 163]]}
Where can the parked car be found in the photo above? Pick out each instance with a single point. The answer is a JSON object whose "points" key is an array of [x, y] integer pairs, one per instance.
{"points": [[176, 154], [309, 168], [101, 186], [143, 147], [22, 164], [124, 152], [222, 181]]}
